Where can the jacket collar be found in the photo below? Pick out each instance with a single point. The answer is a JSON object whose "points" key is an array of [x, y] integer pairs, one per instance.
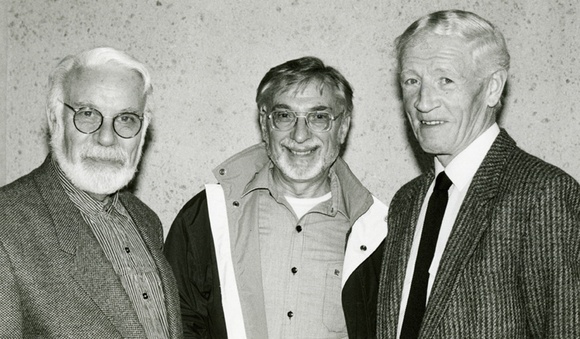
{"points": [[250, 170], [87, 264]]}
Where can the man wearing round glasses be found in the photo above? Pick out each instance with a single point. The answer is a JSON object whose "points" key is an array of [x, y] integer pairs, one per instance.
{"points": [[288, 245], [78, 258]]}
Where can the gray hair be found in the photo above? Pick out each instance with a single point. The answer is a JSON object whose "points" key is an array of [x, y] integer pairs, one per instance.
{"points": [[90, 59], [488, 48], [488, 45], [299, 73]]}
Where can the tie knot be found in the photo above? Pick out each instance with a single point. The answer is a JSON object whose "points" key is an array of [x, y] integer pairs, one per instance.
{"points": [[442, 183]]}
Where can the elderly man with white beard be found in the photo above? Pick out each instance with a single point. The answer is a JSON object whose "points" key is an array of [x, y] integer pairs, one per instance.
{"points": [[79, 257]]}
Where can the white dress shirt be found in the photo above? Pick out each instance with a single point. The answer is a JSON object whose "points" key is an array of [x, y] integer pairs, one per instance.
{"points": [[461, 171]]}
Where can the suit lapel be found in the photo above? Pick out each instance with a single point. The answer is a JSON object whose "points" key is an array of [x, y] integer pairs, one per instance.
{"points": [[88, 265], [402, 224], [470, 225]]}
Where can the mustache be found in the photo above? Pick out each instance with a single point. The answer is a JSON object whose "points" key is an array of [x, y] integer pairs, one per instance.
{"points": [[289, 143], [111, 154]]}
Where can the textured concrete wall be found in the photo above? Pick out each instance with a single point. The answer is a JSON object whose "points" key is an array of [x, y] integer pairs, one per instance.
{"points": [[207, 58], [3, 51]]}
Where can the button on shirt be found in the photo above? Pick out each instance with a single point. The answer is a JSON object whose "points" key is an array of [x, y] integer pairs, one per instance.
{"points": [[301, 261], [123, 246], [461, 171]]}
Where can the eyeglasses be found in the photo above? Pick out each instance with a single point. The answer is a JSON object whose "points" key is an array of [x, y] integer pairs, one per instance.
{"points": [[88, 120], [284, 120]]}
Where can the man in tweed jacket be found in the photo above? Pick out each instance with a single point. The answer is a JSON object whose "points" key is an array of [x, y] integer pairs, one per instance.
{"points": [[78, 259], [506, 259]]}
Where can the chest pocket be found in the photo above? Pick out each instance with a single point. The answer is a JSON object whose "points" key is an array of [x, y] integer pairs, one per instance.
{"points": [[333, 316]]}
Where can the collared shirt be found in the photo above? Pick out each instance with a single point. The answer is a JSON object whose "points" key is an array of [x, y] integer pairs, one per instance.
{"points": [[301, 260], [301, 206], [123, 246], [461, 171]]}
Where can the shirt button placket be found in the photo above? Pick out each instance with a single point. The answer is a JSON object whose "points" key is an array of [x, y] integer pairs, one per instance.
{"points": [[295, 261]]}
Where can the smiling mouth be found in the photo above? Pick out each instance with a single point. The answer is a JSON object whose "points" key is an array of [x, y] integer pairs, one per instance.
{"points": [[108, 161], [432, 123], [301, 153]]}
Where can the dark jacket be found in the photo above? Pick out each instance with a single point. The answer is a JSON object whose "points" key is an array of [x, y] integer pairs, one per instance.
{"points": [[511, 266]]}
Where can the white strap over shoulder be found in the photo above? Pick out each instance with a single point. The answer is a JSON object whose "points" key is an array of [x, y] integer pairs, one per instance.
{"points": [[231, 304]]}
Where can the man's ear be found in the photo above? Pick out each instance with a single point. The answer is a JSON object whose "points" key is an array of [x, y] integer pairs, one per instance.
{"points": [[51, 119], [264, 125], [344, 128], [495, 87]]}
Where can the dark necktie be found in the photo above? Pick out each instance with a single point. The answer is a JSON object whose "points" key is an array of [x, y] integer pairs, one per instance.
{"points": [[418, 293]]}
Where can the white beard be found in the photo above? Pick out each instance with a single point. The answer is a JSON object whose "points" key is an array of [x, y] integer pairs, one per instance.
{"points": [[301, 170], [298, 172], [91, 168]]}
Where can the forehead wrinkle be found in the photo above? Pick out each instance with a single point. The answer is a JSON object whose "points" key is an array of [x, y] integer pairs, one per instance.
{"points": [[104, 89], [313, 107], [299, 87], [89, 104], [443, 60], [336, 102]]}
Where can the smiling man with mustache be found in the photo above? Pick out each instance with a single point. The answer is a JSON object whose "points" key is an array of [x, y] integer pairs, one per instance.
{"points": [[78, 258], [288, 245]]}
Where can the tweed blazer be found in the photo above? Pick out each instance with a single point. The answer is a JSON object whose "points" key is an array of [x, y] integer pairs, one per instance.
{"points": [[55, 280], [511, 266]]}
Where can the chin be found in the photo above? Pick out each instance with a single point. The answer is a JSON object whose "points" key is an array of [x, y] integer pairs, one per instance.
{"points": [[96, 177], [302, 175], [105, 179], [300, 172]]}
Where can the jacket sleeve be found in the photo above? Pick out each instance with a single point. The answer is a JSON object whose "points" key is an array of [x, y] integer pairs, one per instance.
{"points": [[190, 251], [10, 311], [359, 296], [552, 266]]}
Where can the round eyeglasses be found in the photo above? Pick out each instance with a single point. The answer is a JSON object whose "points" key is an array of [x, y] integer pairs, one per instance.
{"points": [[284, 120], [88, 120]]}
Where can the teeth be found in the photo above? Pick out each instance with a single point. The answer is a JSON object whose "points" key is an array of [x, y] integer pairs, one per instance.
{"points": [[301, 153], [430, 123]]}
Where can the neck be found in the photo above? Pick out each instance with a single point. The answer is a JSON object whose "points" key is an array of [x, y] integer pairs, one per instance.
{"points": [[99, 197], [314, 188]]}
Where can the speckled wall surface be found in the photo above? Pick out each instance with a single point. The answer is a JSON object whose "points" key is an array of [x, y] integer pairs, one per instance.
{"points": [[208, 57], [3, 51]]}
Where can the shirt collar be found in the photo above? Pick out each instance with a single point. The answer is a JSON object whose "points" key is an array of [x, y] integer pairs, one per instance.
{"points": [[81, 199], [263, 179], [463, 167]]}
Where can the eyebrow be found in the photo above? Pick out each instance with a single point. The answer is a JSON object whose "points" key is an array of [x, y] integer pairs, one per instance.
{"points": [[280, 106], [447, 70], [87, 104], [312, 109]]}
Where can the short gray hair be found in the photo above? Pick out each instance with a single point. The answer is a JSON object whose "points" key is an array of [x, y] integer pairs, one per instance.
{"points": [[489, 49]]}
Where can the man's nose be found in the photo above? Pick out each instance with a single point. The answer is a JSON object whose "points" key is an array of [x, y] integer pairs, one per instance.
{"points": [[106, 135], [426, 99], [301, 131]]}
